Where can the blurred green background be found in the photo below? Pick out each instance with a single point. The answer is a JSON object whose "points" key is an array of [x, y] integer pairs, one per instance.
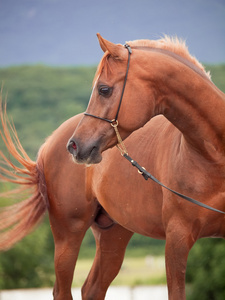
{"points": [[39, 99]]}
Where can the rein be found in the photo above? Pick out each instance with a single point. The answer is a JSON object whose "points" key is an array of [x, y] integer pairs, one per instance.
{"points": [[147, 176], [141, 170]]}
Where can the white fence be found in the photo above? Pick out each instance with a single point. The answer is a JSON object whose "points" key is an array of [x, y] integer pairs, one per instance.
{"points": [[118, 293]]}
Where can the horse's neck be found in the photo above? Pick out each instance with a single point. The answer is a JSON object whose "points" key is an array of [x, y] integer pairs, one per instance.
{"points": [[197, 108]]}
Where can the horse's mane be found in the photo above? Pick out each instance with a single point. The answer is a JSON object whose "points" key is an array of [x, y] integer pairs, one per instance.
{"points": [[173, 44]]}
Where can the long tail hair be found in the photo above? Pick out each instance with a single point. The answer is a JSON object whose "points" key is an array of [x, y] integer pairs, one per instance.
{"points": [[28, 199]]}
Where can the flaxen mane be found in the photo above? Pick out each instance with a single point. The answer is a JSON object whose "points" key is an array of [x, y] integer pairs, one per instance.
{"points": [[173, 44]]}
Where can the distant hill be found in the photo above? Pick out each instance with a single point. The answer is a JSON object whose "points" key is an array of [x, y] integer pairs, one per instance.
{"points": [[40, 98]]}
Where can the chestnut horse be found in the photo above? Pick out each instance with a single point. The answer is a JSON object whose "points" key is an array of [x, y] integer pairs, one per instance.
{"points": [[184, 149]]}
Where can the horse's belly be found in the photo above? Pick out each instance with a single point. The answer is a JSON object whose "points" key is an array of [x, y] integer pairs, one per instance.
{"points": [[135, 211]]}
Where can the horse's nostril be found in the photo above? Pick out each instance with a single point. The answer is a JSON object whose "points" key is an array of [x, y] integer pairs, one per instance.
{"points": [[72, 146]]}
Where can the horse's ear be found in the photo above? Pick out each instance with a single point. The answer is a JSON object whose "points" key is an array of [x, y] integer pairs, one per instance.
{"points": [[116, 50]]}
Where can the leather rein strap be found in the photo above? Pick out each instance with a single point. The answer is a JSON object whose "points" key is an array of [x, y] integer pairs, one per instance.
{"points": [[147, 175], [141, 170]]}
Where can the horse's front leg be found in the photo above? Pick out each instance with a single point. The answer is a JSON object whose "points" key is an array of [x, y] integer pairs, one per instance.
{"points": [[179, 241], [111, 244]]}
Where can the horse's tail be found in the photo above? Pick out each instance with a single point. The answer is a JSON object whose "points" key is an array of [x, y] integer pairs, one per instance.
{"points": [[20, 217]]}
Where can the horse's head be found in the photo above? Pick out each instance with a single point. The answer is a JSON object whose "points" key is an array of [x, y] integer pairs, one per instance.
{"points": [[113, 97]]}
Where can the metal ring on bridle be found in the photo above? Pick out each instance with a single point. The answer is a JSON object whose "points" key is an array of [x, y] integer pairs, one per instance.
{"points": [[141, 172], [114, 123]]}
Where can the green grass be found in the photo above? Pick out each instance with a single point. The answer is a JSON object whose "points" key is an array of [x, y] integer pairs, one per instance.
{"points": [[149, 270]]}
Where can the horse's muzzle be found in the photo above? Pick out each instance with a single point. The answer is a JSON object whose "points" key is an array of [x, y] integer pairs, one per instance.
{"points": [[86, 154]]}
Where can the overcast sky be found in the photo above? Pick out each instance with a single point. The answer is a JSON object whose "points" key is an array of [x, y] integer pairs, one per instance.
{"points": [[63, 32]]}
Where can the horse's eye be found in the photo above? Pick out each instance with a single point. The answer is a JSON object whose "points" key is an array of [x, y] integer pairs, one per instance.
{"points": [[105, 91]]}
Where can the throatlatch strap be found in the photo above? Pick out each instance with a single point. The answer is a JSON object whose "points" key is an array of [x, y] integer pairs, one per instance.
{"points": [[147, 175]]}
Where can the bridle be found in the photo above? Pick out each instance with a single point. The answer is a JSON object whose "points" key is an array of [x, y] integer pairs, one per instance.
{"points": [[141, 170], [114, 122]]}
